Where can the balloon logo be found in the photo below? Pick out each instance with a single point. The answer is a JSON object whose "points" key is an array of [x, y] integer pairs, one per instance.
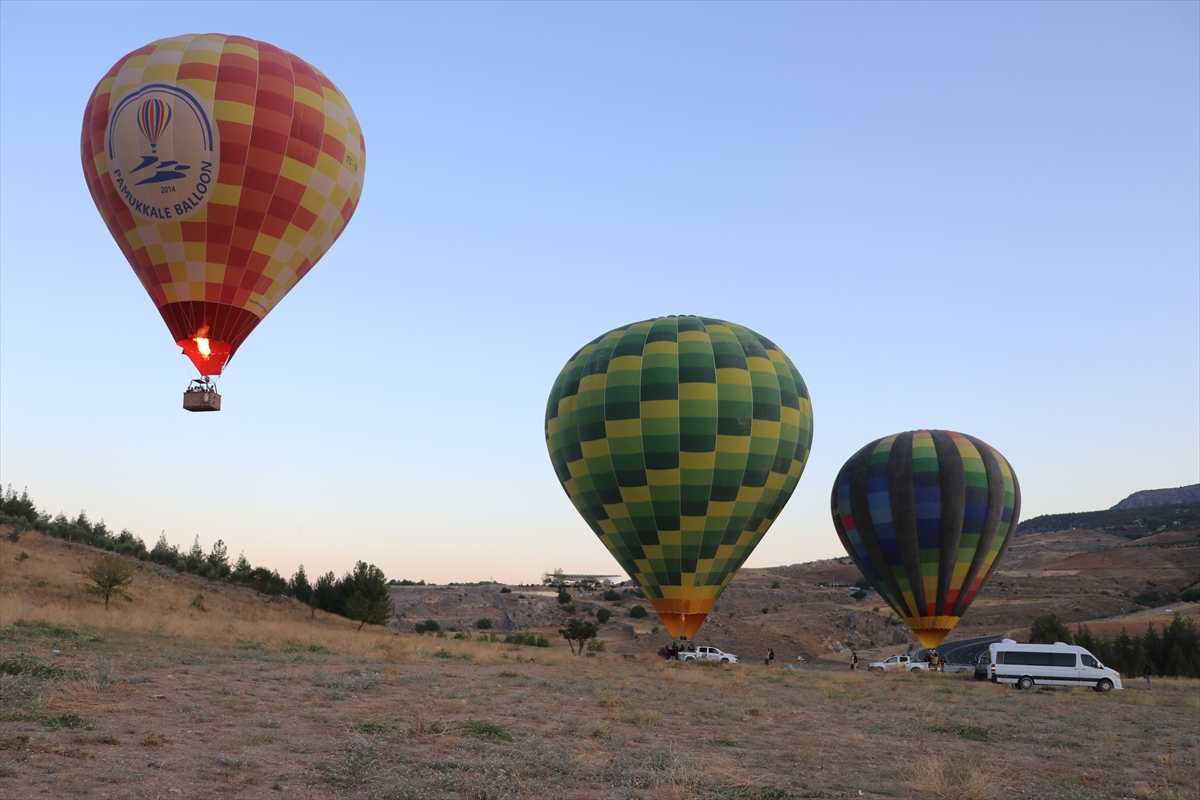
{"points": [[261, 173], [925, 516], [679, 440], [152, 119]]}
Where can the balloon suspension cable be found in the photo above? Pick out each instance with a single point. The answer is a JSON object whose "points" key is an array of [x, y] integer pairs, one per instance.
{"points": [[206, 383]]}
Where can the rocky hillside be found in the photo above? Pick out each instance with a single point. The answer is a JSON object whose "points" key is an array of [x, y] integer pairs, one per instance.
{"points": [[1161, 497], [808, 609]]}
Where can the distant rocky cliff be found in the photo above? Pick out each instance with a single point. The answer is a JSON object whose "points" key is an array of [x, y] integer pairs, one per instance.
{"points": [[1161, 497]]}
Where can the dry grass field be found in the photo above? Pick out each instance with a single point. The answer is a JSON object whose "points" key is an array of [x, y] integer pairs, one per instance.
{"points": [[241, 698]]}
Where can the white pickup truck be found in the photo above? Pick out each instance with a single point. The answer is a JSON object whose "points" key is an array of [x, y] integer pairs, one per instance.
{"points": [[706, 653], [898, 662]]}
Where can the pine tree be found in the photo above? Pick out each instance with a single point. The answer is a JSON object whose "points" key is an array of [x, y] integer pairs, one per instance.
{"points": [[300, 588]]}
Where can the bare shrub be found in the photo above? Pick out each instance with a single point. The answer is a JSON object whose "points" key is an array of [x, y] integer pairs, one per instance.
{"points": [[939, 778]]}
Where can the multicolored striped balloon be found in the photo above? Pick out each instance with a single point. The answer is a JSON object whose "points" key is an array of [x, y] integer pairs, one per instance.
{"points": [[925, 515], [679, 440], [152, 120], [225, 168]]}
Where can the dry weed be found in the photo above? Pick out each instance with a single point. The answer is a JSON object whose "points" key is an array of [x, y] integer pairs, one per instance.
{"points": [[939, 778]]}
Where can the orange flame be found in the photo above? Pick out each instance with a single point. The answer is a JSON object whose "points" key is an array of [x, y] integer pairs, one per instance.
{"points": [[202, 346]]}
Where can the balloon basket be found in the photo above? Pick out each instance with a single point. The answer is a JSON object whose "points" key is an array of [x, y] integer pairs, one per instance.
{"points": [[201, 395]]}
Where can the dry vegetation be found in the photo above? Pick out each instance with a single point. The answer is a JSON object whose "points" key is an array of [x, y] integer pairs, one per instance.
{"points": [[158, 698]]}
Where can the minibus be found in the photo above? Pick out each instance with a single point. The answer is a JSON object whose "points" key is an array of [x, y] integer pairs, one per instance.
{"points": [[1057, 664]]}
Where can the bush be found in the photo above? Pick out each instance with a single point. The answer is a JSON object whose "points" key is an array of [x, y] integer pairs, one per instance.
{"points": [[483, 624], [563, 597], [527, 639], [506, 590], [859, 595], [612, 596], [1190, 595], [602, 615], [429, 625], [766, 611], [637, 612], [596, 646]]}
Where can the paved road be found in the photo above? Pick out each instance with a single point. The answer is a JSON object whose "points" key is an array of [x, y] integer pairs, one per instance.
{"points": [[965, 651]]}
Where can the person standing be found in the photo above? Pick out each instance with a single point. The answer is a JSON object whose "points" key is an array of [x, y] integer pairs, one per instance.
{"points": [[1146, 672], [853, 661], [767, 658], [770, 656]]}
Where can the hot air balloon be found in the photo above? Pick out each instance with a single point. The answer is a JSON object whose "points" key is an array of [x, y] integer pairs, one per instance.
{"points": [[153, 119], [679, 440], [925, 516], [224, 168]]}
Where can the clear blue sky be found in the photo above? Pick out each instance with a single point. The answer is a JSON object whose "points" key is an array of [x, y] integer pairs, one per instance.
{"points": [[980, 217]]}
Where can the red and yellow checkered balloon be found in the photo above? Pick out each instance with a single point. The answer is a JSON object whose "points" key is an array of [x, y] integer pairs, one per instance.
{"points": [[224, 168]]}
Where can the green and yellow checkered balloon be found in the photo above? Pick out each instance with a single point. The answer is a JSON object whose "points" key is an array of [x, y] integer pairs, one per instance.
{"points": [[679, 440]]}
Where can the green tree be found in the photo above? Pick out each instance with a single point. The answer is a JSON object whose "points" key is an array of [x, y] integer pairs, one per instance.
{"points": [[556, 578], [603, 615], [1048, 629], [300, 588], [578, 631], [483, 623], [195, 556], [365, 595], [637, 612], [563, 597], [13, 506], [164, 552], [363, 610], [267, 581], [1123, 657], [109, 576], [1085, 639], [612, 595], [325, 594], [218, 560], [242, 569]]}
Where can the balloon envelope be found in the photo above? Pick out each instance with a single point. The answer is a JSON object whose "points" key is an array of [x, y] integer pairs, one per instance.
{"points": [[679, 440], [224, 168], [925, 515]]}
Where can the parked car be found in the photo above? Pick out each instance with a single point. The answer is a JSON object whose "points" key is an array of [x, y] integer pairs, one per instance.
{"points": [[707, 653], [981, 665], [898, 662], [1057, 664]]}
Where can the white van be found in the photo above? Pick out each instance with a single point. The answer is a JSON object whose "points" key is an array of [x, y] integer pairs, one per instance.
{"points": [[1057, 664]]}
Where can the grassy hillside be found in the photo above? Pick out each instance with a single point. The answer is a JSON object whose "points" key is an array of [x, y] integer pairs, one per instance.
{"points": [[157, 697]]}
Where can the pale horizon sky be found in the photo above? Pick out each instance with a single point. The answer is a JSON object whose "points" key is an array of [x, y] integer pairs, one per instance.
{"points": [[982, 217]]}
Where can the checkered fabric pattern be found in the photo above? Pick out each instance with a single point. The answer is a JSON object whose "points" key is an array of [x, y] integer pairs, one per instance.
{"points": [[679, 440], [292, 159], [925, 515]]}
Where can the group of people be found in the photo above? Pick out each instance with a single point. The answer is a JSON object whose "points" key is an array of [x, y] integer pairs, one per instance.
{"points": [[769, 658], [675, 648]]}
